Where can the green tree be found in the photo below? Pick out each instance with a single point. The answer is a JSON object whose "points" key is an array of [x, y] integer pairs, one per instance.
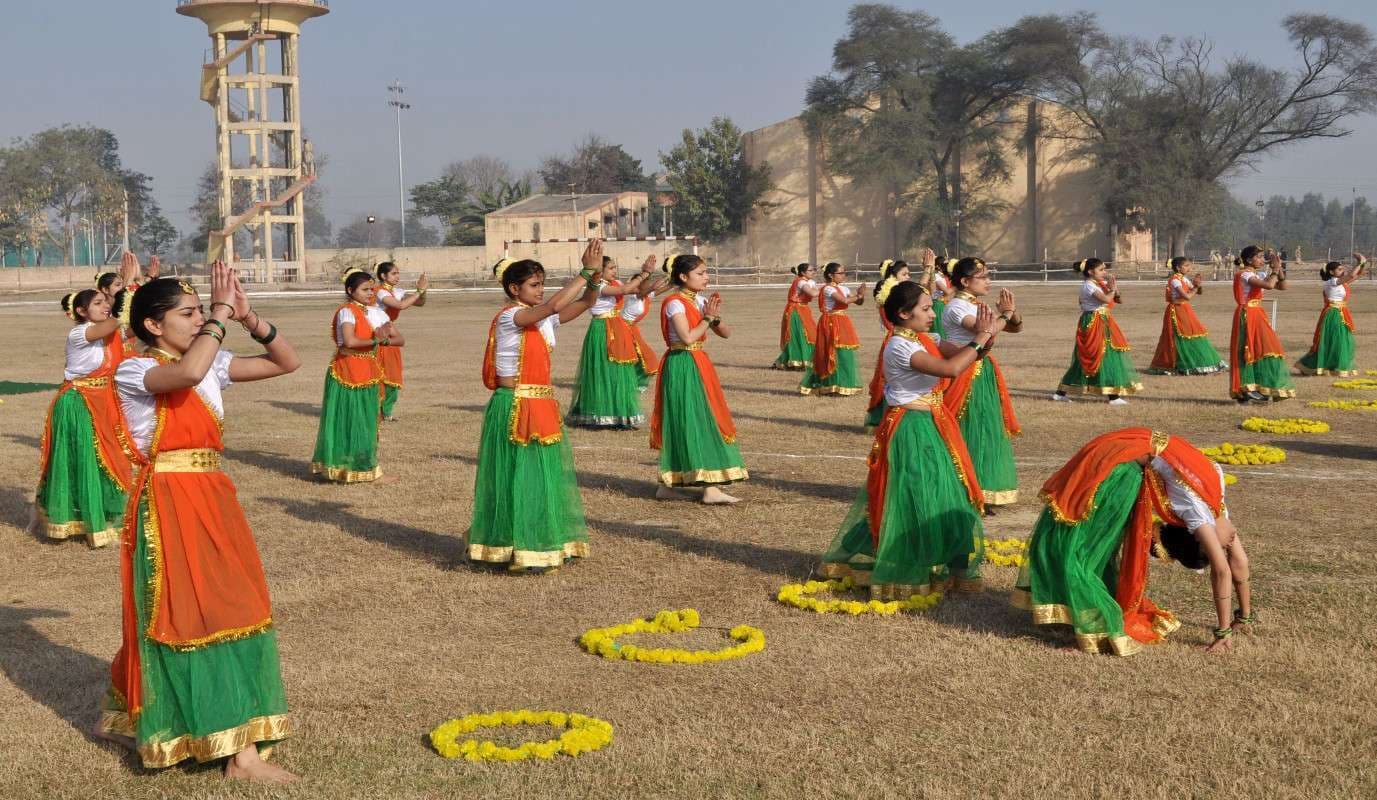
{"points": [[156, 234], [594, 167], [1166, 126], [465, 193], [716, 188]]}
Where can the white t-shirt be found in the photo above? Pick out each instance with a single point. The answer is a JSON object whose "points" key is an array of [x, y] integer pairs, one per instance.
{"points": [[903, 383], [376, 316], [675, 306], [829, 296], [1186, 503], [940, 284], [140, 406], [83, 357], [508, 340], [1252, 278], [1333, 291], [1089, 302], [603, 305], [958, 308], [805, 284], [396, 293], [635, 306], [1178, 286]]}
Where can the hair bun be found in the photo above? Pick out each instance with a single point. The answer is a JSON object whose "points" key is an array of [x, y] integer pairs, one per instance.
{"points": [[668, 266], [345, 277]]}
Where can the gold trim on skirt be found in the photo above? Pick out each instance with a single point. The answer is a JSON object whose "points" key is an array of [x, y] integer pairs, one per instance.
{"points": [[1132, 388], [527, 558], [344, 475], [1003, 497], [210, 747], [728, 475], [61, 531]]}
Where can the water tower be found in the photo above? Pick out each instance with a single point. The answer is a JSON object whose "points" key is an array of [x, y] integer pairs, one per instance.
{"points": [[252, 79]]}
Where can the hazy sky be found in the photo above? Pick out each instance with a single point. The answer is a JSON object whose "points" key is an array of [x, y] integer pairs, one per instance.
{"points": [[521, 80]]}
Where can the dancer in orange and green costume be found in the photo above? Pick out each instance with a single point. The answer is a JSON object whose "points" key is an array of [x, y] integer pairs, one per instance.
{"points": [[797, 328], [84, 471], [891, 274], [915, 526], [978, 397], [1087, 561], [606, 386], [394, 300], [1257, 362], [1332, 349], [347, 437], [834, 349], [1184, 347], [1100, 363], [692, 426], [635, 308], [527, 513], [197, 672]]}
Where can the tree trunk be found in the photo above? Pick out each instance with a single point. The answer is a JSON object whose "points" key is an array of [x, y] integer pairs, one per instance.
{"points": [[956, 192]]}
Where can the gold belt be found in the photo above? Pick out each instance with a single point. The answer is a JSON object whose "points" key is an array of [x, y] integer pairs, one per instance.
{"points": [[90, 383], [191, 460], [836, 312], [1253, 303], [533, 391], [927, 402], [1336, 303], [344, 351], [608, 315], [689, 346]]}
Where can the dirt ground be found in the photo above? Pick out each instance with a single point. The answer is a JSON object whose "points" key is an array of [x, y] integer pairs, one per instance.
{"points": [[385, 631]]}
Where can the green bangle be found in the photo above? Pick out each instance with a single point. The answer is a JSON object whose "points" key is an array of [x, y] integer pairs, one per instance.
{"points": [[974, 345], [217, 323], [266, 340]]}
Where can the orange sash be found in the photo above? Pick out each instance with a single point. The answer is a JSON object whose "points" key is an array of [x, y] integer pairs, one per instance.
{"points": [[389, 356], [797, 303], [712, 387], [621, 342], [1178, 319], [207, 583], [97, 389], [1070, 493], [877, 476], [1091, 340], [956, 396], [877, 378], [650, 362], [1262, 341], [535, 411], [355, 367]]}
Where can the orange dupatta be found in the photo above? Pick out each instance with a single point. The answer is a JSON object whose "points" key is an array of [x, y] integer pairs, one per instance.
{"points": [[355, 367], [712, 387], [877, 378], [650, 362], [97, 389], [535, 411], [877, 476], [621, 342], [1070, 494], [1261, 340], [835, 330], [207, 583], [1091, 340], [796, 303], [389, 356], [960, 391]]}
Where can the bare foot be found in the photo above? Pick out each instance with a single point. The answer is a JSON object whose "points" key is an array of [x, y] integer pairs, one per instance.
{"points": [[663, 492], [247, 765], [714, 496], [101, 733], [1224, 645], [1241, 627]]}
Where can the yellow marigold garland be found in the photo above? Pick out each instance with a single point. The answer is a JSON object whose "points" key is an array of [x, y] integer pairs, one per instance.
{"points": [[1362, 384], [582, 734], [1284, 425], [1006, 552], [1240, 454], [1230, 479], [1346, 405], [603, 641], [799, 595]]}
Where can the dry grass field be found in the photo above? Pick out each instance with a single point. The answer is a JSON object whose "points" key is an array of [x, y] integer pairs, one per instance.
{"points": [[385, 631]]}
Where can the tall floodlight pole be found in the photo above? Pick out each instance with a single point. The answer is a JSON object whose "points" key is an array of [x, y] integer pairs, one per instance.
{"points": [[1353, 224], [397, 90]]}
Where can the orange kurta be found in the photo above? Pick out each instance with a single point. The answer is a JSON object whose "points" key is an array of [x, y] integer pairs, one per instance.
{"points": [[355, 367]]}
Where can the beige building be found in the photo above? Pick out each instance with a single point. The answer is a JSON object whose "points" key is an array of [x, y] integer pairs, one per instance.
{"points": [[546, 218], [1053, 210]]}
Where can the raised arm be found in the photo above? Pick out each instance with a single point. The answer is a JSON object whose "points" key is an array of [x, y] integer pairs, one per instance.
{"points": [[950, 366], [416, 298], [196, 361], [278, 357], [592, 261], [99, 330]]}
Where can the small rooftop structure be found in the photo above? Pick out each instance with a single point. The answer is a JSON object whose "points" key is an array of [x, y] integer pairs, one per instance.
{"points": [[546, 217]]}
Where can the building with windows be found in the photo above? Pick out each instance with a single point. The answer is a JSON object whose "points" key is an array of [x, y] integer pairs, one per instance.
{"points": [[550, 217]]}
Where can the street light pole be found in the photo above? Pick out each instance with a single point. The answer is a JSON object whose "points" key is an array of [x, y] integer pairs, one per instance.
{"points": [[397, 91], [1353, 224]]}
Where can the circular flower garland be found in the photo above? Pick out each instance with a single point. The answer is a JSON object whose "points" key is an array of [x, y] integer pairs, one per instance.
{"points": [[799, 595], [1346, 405], [1362, 384], [603, 641], [582, 735], [1239, 454], [1006, 552], [1284, 425]]}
